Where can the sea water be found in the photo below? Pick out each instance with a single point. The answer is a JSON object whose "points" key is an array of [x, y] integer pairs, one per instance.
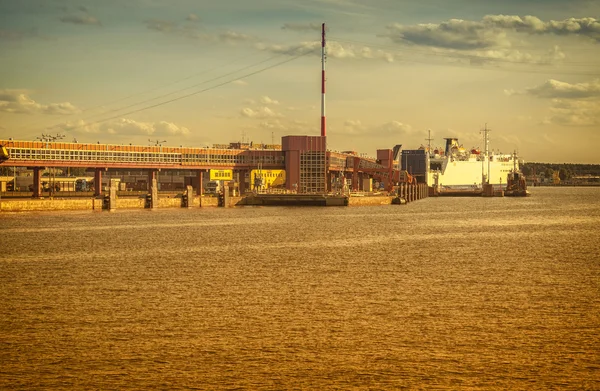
{"points": [[442, 293]]}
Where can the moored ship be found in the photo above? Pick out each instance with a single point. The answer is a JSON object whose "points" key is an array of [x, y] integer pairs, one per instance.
{"points": [[456, 167], [459, 171]]}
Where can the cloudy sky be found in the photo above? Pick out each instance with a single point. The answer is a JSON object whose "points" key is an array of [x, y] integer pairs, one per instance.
{"points": [[199, 72]]}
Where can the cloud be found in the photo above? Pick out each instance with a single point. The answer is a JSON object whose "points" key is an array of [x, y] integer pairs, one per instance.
{"points": [[268, 101], [353, 127], [192, 18], [575, 104], [161, 25], [558, 89], [194, 31], [574, 112], [232, 36], [395, 128], [260, 113], [356, 128], [509, 55], [80, 19], [302, 26], [489, 32], [263, 111], [18, 101], [274, 125], [453, 34], [282, 126], [125, 126], [334, 50], [240, 82], [586, 27]]}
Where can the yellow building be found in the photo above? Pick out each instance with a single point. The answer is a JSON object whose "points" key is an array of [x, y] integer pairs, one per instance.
{"points": [[266, 179]]}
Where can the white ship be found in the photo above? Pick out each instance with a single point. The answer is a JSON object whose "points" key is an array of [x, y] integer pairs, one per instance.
{"points": [[457, 168]]}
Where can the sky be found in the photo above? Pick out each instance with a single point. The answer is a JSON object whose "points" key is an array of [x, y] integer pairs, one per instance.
{"points": [[203, 72]]}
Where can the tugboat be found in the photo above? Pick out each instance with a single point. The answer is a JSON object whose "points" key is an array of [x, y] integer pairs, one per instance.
{"points": [[516, 185]]}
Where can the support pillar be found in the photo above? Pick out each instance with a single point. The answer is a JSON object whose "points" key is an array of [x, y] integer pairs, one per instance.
{"points": [[98, 182], [199, 188], [152, 176], [223, 195], [187, 198], [109, 201], [242, 182], [355, 164], [153, 194], [37, 182]]}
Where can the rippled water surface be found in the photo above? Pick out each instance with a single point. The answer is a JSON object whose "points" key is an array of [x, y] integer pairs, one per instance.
{"points": [[443, 293]]}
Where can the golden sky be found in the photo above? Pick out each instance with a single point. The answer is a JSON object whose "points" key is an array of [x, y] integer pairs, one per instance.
{"points": [[195, 73]]}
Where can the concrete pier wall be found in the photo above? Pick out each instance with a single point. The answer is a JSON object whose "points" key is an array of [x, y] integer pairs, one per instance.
{"points": [[375, 200], [172, 201], [30, 205], [48, 204]]}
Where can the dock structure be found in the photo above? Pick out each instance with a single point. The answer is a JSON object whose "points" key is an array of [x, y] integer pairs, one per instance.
{"points": [[310, 168], [310, 171]]}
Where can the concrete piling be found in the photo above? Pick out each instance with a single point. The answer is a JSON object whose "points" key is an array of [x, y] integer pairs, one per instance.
{"points": [[187, 197], [110, 200]]}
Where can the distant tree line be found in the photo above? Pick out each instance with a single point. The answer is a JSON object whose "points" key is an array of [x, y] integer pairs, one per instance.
{"points": [[565, 170]]}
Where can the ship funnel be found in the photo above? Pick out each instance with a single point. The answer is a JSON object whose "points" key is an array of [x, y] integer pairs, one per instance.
{"points": [[450, 142]]}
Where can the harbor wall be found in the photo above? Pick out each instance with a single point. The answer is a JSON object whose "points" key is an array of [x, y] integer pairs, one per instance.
{"points": [[58, 204], [31, 205], [374, 200], [97, 204]]}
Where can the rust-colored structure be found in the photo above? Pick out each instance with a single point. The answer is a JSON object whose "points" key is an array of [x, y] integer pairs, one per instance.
{"points": [[305, 163], [309, 167]]}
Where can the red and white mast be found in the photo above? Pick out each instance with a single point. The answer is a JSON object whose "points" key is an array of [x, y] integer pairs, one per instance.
{"points": [[323, 80]]}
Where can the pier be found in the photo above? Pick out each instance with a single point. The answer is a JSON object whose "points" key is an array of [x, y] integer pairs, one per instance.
{"points": [[132, 176]]}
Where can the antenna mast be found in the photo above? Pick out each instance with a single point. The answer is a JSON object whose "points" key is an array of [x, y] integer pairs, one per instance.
{"points": [[486, 141], [429, 140], [323, 54]]}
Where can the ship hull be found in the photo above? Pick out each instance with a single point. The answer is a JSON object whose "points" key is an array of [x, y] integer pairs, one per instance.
{"points": [[470, 173]]}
